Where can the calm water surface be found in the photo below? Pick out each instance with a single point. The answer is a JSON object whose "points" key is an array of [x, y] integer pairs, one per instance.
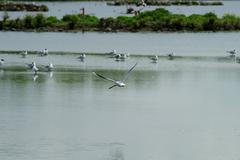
{"points": [[100, 9], [172, 112], [206, 44]]}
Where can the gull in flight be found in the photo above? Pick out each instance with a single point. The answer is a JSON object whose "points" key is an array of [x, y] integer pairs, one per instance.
{"points": [[117, 83]]}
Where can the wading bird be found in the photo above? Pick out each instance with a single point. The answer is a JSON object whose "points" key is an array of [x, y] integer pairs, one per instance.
{"points": [[154, 59], [170, 56], [232, 52], [117, 83], [2, 62], [24, 54], [49, 67], [44, 52], [81, 57], [33, 67]]}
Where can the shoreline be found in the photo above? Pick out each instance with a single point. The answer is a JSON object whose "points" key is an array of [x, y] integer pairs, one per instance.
{"points": [[65, 53], [158, 20]]}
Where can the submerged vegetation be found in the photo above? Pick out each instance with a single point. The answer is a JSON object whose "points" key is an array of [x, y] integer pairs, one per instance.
{"points": [[22, 7], [157, 20], [166, 3]]}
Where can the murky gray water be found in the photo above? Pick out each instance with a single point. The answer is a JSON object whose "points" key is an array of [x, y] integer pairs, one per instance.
{"points": [[169, 110], [198, 44], [100, 9]]}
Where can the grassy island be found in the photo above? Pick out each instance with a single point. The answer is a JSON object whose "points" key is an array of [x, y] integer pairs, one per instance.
{"points": [[22, 7], [166, 3], [157, 20]]}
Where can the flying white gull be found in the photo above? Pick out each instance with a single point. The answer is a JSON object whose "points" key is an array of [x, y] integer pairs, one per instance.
{"points": [[117, 83]]}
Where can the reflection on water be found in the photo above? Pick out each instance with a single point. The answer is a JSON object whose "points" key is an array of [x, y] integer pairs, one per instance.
{"points": [[175, 114]]}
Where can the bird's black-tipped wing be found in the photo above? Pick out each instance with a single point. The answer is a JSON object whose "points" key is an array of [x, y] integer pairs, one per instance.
{"points": [[128, 73], [112, 86], [106, 78]]}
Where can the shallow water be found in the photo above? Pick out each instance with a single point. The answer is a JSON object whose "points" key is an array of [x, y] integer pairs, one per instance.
{"points": [[193, 44], [100, 9], [167, 111]]}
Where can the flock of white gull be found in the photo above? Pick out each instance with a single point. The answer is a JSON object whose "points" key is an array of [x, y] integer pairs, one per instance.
{"points": [[113, 54]]}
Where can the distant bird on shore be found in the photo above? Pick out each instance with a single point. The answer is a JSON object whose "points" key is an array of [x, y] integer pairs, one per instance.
{"points": [[121, 57], [82, 57], [24, 54], [49, 67], [154, 59], [170, 56], [232, 52], [2, 61], [117, 83], [44, 52]]}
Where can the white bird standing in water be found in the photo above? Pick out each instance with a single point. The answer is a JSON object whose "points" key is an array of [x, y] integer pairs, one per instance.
{"points": [[117, 83], [44, 52], [24, 54], [154, 59], [170, 56], [49, 67], [82, 57], [2, 62], [33, 67], [232, 52]]}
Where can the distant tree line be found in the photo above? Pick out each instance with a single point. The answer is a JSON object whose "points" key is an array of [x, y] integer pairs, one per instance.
{"points": [[157, 20]]}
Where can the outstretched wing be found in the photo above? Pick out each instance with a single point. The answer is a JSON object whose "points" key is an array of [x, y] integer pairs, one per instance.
{"points": [[109, 79], [113, 86], [128, 73]]}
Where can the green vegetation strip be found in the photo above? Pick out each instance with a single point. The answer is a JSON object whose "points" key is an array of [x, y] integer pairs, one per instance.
{"points": [[157, 20]]}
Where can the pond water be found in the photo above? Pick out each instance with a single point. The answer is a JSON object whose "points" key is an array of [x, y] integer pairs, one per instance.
{"points": [[198, 44], [168, 110], [101, 9], [182, 109]]}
